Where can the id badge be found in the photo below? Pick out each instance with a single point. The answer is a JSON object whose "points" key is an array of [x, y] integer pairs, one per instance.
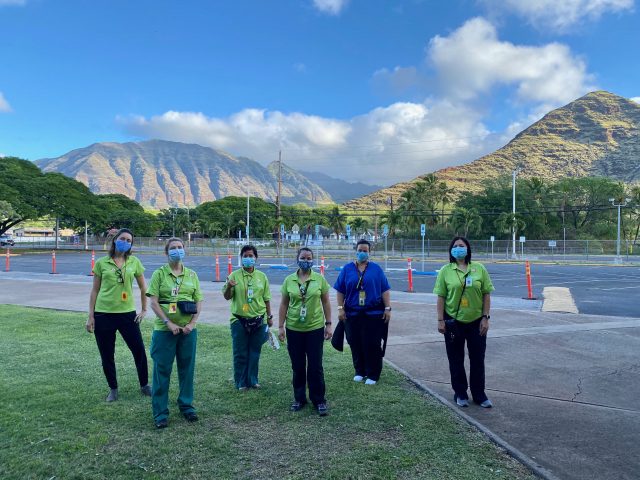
{"points": [[245, 307], [362, 297], [173, 307], [469, 282], [250, 292], [124, 296], [464, 302], [303, 313], [174, 292]]}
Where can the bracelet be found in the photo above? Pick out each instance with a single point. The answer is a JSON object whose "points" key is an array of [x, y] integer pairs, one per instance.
{"points": [[340, 307], [166, 321], [388, 309], [270, 317], [441, 319], [327, 323]]}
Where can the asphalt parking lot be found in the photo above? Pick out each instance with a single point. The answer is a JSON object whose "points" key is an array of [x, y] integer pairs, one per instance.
{"points": [[596, 289]]}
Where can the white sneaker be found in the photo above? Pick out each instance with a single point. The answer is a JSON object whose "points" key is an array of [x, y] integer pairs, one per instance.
{"points": [[370, 382], [358, 378]]}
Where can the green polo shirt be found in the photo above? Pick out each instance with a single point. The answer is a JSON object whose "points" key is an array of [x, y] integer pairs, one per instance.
{"points": [[256, 281], [115, 296], [449, 285], [163, 281], [317, 286]]}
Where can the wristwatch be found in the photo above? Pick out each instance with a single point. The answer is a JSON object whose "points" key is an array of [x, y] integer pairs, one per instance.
{"points": [[270, 317], [388, 309], [327, 323], [486, 316]]}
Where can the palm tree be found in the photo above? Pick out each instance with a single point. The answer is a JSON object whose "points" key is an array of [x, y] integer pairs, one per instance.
{"points": [[393, 219], [444, 196], [467, 220], [506, 221], [359, 225], [336, 220]]}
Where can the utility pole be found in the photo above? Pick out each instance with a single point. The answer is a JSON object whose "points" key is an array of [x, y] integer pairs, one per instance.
{"points": [[513, 228], [247, 229], [619, 205], [278, 198]]}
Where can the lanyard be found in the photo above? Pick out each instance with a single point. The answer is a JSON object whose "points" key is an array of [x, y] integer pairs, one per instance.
{"points": [[360, 285], [121, 272], [304, 290], [247, 285], [178, 285]]}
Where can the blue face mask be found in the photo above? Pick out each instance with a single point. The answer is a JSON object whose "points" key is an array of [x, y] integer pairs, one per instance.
{"points": [[122, 246], [248, 262], [176, 254], [459, 252], [362, 256], [305, 264]]}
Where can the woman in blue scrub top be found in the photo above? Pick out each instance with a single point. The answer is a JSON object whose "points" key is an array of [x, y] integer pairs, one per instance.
{"points": [[364, 304]]}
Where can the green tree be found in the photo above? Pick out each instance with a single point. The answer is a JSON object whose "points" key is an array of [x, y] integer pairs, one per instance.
{"points": [[466, 220], [336, 220]]}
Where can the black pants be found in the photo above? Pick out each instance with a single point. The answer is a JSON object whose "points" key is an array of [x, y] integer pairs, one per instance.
{"points": [[455, 338], [305, 351], [107, 324], [364, 334]]}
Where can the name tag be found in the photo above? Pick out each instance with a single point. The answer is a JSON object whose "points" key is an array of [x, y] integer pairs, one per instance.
{"points": [[250, 292], [362, 298], [173, 307], [174, 292], [469, 282], [303, 313]]}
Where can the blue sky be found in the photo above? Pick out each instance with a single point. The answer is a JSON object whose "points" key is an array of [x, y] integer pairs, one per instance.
{"points": [[372, 90]]}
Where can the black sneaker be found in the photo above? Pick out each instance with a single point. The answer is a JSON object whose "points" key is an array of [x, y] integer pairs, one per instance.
{"points": [[145, 391], [162, 423], [296, 406], [323, 410], [191, 417]]}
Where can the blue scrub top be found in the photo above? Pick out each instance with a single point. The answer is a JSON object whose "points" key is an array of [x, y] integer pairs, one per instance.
{"points": [[374, 283]]}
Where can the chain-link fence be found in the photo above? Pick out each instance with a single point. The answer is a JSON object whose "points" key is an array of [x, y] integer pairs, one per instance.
{"points": [[554, 250]]}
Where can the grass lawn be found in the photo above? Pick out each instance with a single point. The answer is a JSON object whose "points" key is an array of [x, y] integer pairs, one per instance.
{"points": [[54, 422]]}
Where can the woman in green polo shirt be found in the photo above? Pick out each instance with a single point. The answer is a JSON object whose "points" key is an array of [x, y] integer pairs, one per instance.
{"points": [[248, 290], [305, 311], [176, 299], [112, 309], [463, 288]]}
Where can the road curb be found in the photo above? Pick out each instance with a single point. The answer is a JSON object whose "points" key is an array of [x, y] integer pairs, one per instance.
{"points": [[531, 464]]}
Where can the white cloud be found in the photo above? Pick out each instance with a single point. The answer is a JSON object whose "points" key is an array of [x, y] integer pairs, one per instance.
{"points": [[332, 7], [404, 139], [558, 14], [5, 3], [386, 145], [472, 60], [635, 99], [4, 104]]}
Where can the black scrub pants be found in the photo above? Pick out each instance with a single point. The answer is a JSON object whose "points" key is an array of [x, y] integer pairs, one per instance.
{"points": [[365, 334], [106, 326], [455, 338], [305, 351]]}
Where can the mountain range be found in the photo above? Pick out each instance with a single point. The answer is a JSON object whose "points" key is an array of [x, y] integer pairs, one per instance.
{"points": [[160, 174], [595, 135]]}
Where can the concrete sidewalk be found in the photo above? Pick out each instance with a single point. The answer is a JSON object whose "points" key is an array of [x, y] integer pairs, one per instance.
{"points": [[565, 387]]}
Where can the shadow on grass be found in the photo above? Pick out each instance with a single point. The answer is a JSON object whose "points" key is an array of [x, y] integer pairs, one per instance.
{"points": [[54, 421]]}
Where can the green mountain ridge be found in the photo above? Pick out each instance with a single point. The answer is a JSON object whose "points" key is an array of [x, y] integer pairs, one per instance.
{"points": [[160, 174], [595, 135]]}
